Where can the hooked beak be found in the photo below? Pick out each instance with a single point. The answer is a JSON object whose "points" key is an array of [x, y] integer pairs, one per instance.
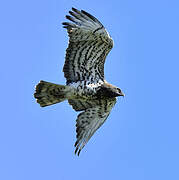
{"points": [[122, 94]]}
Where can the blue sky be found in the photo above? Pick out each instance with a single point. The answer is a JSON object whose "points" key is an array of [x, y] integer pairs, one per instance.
{"points": [[140, 139]]}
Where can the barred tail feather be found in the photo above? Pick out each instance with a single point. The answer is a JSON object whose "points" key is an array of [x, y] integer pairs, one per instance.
{"points": [[47, 93]]}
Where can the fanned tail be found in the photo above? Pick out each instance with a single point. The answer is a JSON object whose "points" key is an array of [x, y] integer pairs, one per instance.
{"points": [[47, 93]]}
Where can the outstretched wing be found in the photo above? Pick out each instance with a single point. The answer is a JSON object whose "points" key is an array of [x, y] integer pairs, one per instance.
{"points": [[88, 47], [90, 120]]}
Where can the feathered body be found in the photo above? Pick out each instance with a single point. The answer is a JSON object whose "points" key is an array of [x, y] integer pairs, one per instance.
{"points": [[86, 89]]}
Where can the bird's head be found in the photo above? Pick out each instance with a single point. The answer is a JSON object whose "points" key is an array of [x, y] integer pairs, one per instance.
{"points": [[119, 92]]}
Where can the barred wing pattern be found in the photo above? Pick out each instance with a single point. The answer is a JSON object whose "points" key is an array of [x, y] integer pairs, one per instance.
{"points": [[88, 47], [90, 120], [81, 104]]}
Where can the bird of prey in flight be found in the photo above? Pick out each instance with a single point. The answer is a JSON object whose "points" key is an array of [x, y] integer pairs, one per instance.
{"points": [[86, 88]]}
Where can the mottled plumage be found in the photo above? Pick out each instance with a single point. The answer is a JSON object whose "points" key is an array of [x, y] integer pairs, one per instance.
{"points": [[86, 89]]}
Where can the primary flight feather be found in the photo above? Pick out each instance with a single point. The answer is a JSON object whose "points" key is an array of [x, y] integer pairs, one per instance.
{"points": [[86, 89]]}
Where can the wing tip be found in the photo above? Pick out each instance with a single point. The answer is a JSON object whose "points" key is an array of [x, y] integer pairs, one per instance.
{"points": [[77, 150], [74, 9], [77, 15]]}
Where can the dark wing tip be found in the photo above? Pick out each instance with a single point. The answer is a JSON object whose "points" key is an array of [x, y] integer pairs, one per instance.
{"points": [[82, 15], [65, 23], [69, 17], [88, 14], [68, 25], [77, 151], [72, 13], [91, 17], [75, 10], [76, 143]]}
